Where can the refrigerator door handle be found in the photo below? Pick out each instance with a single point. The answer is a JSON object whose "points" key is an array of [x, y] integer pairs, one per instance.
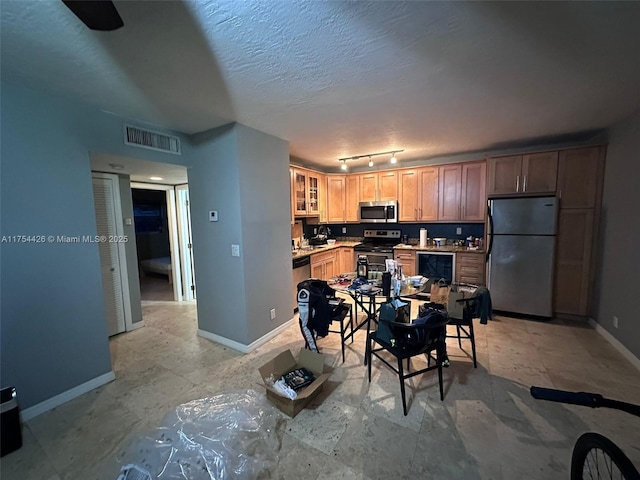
{"points": [[490, 234]]}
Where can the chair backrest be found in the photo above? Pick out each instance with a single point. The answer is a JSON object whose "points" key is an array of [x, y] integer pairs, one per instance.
{"points": [[420, 336]]}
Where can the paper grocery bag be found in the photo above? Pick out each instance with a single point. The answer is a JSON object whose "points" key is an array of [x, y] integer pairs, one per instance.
{"points": [[440, 293], [454, 308]]}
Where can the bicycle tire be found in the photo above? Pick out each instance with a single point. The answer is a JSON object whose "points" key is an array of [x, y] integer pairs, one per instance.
{"points": [[597, 457]]}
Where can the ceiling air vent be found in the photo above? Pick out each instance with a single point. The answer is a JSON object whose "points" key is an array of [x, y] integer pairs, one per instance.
{"points": [[162, 142]]}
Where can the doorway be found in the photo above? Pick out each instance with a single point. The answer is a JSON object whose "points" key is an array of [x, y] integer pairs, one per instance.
{"points": [[173, 266]]}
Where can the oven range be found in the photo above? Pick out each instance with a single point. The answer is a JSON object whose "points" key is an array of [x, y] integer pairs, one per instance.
{"points": [[378, 245]]}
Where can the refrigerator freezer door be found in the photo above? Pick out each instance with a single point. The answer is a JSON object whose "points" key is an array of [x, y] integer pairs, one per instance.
{"points": [[521, 274], [524, 216]]}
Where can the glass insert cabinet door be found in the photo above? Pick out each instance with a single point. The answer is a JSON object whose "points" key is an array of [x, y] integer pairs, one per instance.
{"points": [[300, 192], [312, 204]]}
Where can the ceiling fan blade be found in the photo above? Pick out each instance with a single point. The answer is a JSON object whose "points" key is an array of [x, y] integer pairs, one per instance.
{"points": [[96, 14]]}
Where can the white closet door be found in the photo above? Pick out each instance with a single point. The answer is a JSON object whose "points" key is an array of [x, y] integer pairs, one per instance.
{"points": [[104, 199]]}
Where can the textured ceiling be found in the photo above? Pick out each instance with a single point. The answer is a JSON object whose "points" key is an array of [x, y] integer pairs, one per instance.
{"points": [[338, 79]]}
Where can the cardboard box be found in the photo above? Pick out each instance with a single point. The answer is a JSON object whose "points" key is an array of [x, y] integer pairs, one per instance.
{"points": [[285, 363]]}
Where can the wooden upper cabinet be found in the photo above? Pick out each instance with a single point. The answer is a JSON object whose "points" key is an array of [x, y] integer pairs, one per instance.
{"points": [[313, 193], [322, 198], [299, 192], [368, 187], [449, 182], [504, 175], [408, 195], [335, 198], [379, 186], [418, 194], [428, 198], [352, 198], [540, 172], [308, 193], [579, 174], [530, 173], [292, 202], [388, 185], [473, 191]]}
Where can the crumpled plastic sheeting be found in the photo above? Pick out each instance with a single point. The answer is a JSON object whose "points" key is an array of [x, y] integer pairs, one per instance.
{"points": [[228, 436]]}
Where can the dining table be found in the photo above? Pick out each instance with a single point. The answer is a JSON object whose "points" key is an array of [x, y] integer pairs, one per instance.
{"points": [[367, 295]]}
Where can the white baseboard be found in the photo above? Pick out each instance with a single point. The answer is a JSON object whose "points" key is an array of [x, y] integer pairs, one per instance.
{"points": [[64, 397], [635, 361], [240, 346]]}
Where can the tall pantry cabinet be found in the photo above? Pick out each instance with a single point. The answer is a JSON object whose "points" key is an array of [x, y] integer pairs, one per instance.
{"points": [[580, 179]]}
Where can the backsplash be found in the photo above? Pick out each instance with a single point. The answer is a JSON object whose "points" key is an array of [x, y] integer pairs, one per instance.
{"points": [[445, 230]]}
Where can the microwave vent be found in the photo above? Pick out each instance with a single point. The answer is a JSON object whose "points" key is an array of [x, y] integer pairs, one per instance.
{"points": [[138, 137]]}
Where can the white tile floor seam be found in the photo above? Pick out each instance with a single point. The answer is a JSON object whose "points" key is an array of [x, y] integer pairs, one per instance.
{"points": [[487, 427]]}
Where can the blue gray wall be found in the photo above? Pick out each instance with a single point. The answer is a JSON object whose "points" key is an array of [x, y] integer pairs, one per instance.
{"points": [[617, 278], [244, 175], [53, 334]]}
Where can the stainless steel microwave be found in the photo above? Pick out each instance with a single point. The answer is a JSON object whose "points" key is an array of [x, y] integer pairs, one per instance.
{"points": [[378, 212]]}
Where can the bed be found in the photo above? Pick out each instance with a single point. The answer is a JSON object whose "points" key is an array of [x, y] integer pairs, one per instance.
{"points": [[160, 265]]}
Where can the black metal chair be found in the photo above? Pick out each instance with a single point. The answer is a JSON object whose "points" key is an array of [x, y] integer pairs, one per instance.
{"points": [[318, 308], [464, 326], [340, 316], [405, 341]]}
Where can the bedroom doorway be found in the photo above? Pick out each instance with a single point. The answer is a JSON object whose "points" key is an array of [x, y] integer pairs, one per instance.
{"points": [[156, 223]]}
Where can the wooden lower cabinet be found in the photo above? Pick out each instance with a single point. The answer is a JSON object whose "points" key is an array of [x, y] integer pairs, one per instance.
{"points": [[324, 265], [470, 268], [573, 261], [406, 259], [346, 260]]}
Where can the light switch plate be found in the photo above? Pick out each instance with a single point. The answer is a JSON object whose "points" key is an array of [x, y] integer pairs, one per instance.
{"points": [[128, 222], [213, 215], [235, 250], [459, 231]]}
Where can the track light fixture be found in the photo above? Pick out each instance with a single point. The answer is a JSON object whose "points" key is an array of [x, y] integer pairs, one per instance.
{"points": [[369, 155]]}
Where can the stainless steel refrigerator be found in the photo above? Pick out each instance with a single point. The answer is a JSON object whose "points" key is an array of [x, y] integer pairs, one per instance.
{"points": [[522, 238]]}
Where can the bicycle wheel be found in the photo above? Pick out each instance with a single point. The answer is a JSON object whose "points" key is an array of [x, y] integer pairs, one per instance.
{"points": [[597, 457]]}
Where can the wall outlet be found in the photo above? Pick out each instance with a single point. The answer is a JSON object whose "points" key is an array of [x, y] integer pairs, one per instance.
{"points": [[273, 314], [315, 231], [235, 250], [615, 322], [459, 231], [344, 229]]}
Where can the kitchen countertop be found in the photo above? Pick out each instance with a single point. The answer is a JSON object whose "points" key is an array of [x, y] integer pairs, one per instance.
{"points": [[322, 248], [431, 248]]}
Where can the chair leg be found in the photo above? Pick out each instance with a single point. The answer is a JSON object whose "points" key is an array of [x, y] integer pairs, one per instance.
{"points": [[367, 357], [342, 337], [459, 337], [439, 362], [351, 321], [401, 375], [472, 337]]}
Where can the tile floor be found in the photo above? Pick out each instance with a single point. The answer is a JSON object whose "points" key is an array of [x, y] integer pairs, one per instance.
{"points": [[488, 426]]}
